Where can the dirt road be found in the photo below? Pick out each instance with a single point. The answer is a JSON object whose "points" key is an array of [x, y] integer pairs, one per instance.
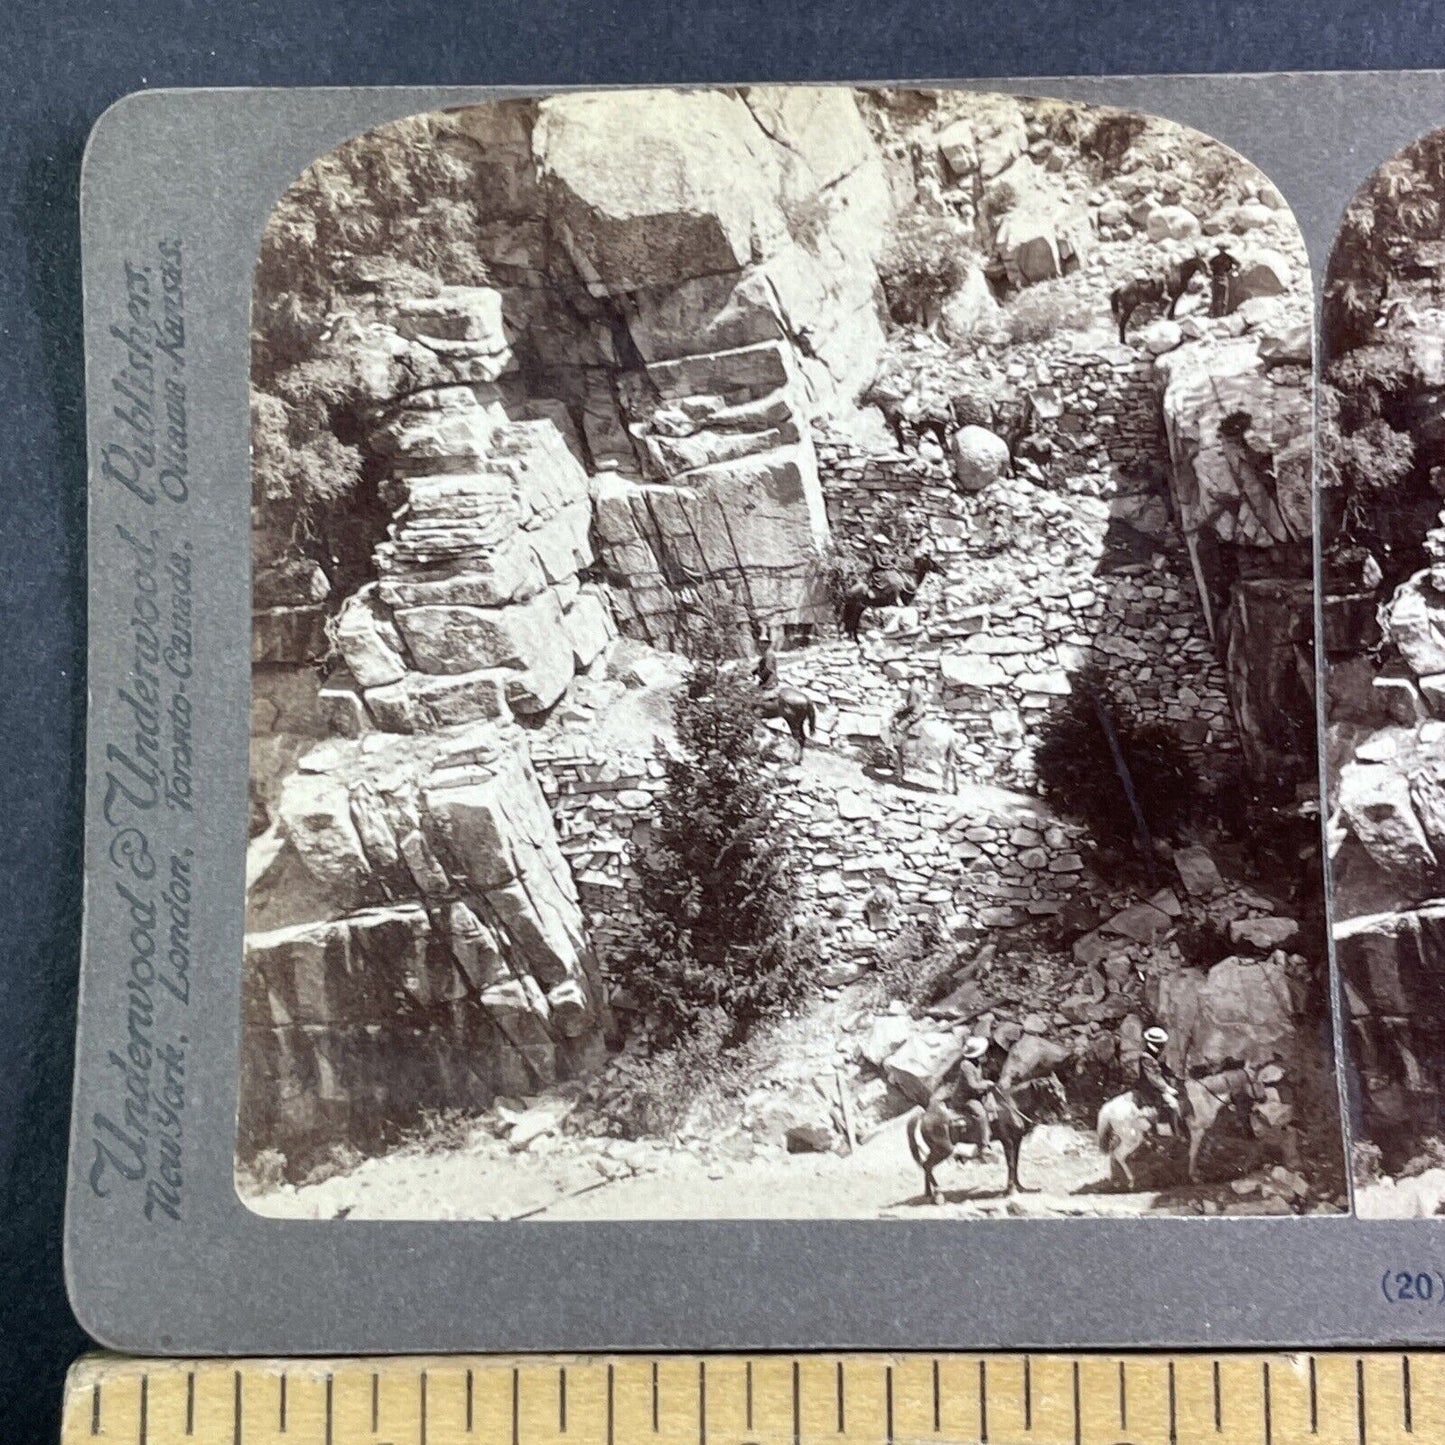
{"points": [[566, 1178]]}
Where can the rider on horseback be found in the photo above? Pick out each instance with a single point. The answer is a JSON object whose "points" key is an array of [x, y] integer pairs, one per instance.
{"points": [[767, 665], [1156, 1086], [907, 717], [975, 1092]]}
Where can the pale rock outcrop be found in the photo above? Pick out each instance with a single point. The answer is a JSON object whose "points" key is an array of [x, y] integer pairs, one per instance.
{"points": [[1413, 621], [1171, 223], [1373, 800], [411, 890], [1240, 444], [1040, 232], [980, 457], [988, 140], [1240, 1011]]}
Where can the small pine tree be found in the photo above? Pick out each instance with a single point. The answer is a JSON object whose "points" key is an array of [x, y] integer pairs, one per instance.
{"points": [[718, 889]]}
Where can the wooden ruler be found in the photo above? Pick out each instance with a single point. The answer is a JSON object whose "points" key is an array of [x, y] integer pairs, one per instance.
{"points": [[851, 1399]]}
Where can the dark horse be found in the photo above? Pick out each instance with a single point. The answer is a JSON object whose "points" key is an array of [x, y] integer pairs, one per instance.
{"points": [[1153, 290], [934, 1134], [794, 708], [883, 588]]}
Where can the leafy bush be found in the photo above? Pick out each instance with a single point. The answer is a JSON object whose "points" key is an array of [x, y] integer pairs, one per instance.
{"points": [[718, 889], [396, 211], [1400, 204], [1080, 775], [916, 967], [924, 262], [1043, 310], [657, 1092]]}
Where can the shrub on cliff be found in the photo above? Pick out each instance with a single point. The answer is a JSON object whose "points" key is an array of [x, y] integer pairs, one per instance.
{"points": [[923, 264], [395, 212], [1041, 311], [720, 933], [1081, 776]]}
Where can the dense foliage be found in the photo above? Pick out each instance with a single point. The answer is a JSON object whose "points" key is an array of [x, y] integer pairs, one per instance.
{"points": [[720, 935], [1376, 492], [396, 211], [925, 261]]}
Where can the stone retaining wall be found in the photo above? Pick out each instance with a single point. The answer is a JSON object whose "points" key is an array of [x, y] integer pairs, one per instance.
{"points": [[1049, 603]]}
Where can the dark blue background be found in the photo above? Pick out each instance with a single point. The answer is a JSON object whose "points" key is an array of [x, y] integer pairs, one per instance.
{"points": [[65, 62]]}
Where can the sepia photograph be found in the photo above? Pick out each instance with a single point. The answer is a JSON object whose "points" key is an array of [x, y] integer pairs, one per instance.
{"points": [[783, 669], [1382, 492]]}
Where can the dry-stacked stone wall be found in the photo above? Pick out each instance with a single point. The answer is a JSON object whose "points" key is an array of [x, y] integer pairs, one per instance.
{"points": [[1049, 605]]}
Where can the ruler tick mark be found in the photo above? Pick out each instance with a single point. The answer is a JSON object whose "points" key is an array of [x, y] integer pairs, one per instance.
{"points": [[1218, 1402], [797, 1404], [1314, 1400], [1409, 1412], [888, 1402], [702, 1402], [1360, 1399], [562, 1400], [983, 1402], [423, 1408], [1173, 1407], [469, 1402], [1268, 1408], [95, 1409], [145, 1393], [237, 1408], [516, 1405], [937, 1401], [1028, 1393], [749, 1373], [330, 1387], [281, 1404], [1123, 1399], [1078, 1412], [838, 1375], [611, 1401], [656, 1402], [375, 1402]]}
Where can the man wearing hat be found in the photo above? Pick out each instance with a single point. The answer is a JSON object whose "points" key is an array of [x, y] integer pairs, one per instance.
{"points": [[974, 1091], [1222, 267], [1156, 1085], [767, 664]]}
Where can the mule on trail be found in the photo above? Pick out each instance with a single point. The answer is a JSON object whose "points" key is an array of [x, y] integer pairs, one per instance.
{"points": [[1125, 1124], [931, 737], [884, 587], [936, 1133], [795, 708], [1153, 289]]}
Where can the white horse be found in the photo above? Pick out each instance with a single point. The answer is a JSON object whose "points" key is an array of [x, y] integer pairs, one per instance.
{"points": [[932, 740], [1125, 1124]]}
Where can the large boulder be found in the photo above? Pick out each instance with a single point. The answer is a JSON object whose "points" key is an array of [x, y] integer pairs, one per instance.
{"points": [[654, 187], [1375, 805], [1171, 223], [1414, 622], [923, 1063], [980, 457], [1239, 444], [1262, 273], [1239, 1012], [987, 140], [1040, 232]]}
